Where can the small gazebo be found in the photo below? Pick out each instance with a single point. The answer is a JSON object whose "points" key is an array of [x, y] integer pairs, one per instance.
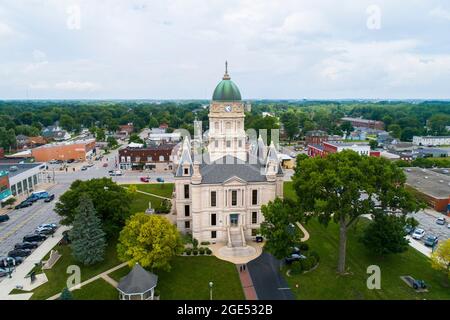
{"points": [[139, 284]]}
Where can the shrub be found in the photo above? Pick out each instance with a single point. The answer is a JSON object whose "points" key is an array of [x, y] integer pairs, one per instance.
{"points": [[194, 242], [208, 251], [188, 251], [304, 246], [205, 243], [297, 267], [195, 252], [315, 255], [201, 250], [157, 293]]}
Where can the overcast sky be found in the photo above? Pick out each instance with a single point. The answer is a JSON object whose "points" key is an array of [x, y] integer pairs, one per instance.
{"points": [[176, 49]]}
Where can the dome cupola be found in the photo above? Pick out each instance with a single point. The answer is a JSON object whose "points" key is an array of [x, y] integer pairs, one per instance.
{"points": [[226, 90]]}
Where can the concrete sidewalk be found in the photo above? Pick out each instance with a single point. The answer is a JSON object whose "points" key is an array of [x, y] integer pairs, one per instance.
{"points": [[419, 246], [18, 278]]}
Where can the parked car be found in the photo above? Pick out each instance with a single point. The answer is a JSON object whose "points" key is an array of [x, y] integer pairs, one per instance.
{"points": [[23, 204], [409, 229], [440, 221], [431, 241], [53, 161], [160, 179], [4, 217], [115, 173], [45, 231], [3, 273], [48, 225], [19, 253], [145, 179], [71, 161], [50, 198], [26, 245], [34, 238], [294, 257], [7, 262], [418, 234], [84, 168]]}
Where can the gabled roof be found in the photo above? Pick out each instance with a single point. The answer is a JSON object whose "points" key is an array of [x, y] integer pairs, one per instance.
{"points": [[228, 167], [137, 281]]}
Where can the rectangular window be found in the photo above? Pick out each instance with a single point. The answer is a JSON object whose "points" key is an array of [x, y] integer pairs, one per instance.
{"points": [[213, 198], [187, 211], [254, 232], [228, 144], [213, 219], [186, 191], [187, 224], [25, 185], [13, 190], [186, 171], [234, 198], [254, 197], [240, 143], [213, 234], [254, 217], [35, 181], [216, 143], [149, 159], [137, 159]]}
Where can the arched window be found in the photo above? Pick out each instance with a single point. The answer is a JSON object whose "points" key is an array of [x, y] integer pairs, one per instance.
{"points": [[228, 126], [161, 158]]}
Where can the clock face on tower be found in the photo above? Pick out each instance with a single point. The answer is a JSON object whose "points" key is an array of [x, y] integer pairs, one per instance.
{"points": [[228, 108]]}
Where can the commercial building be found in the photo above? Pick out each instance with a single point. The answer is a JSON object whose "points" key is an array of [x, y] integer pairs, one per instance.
{"points": [[161, 138], [315, 137], [431, 141], [23, 177], [325, 148], [125, 130], [77, 150], [55, 133], [5, 190], [435, 187], [364, 123], [158, 158]]}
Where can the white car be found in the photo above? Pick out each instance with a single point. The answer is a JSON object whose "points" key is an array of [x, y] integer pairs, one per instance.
{"points": [[418, 234], [441, 221]]}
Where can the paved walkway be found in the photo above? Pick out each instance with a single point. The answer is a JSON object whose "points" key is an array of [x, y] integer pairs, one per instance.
{"points": [[102, 275], [215, 248], [154, 195], [305, 232], [247, 283], [18, 278], [419, 246]]}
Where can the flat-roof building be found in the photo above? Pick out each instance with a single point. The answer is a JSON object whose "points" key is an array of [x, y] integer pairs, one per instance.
{"points": [[77, 150], [364, 123], [23, 177], [435, 187]]}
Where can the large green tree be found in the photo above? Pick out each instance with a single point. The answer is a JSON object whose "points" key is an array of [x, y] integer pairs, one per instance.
{"points": [[87, 237], [344, 186], [279, 227], [385, 234], [111, 201], [149, 240]]}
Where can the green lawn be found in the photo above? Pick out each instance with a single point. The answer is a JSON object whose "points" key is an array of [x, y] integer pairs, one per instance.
{"points": [[160, 189], [96, 290], [57, 276], [189, 278], [325, 283], [140, 202]]}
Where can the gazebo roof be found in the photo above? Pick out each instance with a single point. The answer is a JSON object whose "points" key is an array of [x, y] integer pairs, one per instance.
{"points": [[137, 281]]}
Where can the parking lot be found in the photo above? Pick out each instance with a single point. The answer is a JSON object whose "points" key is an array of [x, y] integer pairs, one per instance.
{"points": [[427, 222]]}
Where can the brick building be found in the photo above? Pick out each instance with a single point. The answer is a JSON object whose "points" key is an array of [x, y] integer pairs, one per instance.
{"points": [[77, 150], [158, 158], [364, 123], [315, 150], [315, 137]]}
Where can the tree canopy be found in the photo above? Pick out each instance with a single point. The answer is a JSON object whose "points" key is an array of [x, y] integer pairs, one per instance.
{"points": [[149, 240], [111, 202], [344, 186]]}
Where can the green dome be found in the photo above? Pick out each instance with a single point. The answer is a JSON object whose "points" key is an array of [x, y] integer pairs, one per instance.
{"points": [[226, 90]]}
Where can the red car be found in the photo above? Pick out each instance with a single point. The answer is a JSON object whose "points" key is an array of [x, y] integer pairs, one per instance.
{"points": [[105, 165], [145, 179]]}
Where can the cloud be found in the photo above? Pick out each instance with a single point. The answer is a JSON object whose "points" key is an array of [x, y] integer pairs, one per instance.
{"points": [[5, 30], [79, 86], [439, 12]]}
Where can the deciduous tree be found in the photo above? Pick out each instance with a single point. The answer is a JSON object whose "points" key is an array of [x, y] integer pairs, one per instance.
{"points": [[149, 240]]}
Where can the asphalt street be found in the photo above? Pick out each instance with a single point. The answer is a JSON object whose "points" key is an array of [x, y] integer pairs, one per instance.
{"points": [[267, 280], [427, 222]]}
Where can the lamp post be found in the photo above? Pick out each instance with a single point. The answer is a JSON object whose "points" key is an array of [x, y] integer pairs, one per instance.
{"points": [[210, 289]]}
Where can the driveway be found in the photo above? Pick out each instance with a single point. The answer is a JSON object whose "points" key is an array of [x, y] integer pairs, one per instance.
{"points": [[267, 280]]}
